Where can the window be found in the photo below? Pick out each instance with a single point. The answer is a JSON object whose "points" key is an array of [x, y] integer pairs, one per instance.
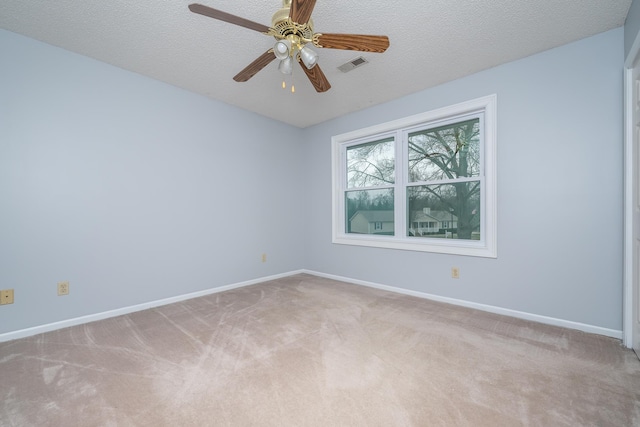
{"points": [[424, 183]]}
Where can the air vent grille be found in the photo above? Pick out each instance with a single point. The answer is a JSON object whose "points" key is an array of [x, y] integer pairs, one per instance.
{"points": [[353, 64]]}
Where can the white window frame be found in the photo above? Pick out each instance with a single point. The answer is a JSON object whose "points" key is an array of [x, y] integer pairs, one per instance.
{"points": [[486, 107]]}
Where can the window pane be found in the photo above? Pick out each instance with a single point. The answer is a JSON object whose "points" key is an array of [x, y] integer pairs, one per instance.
{"points": [[447, 211], [371, 164], [447, 152], [369, 212]]}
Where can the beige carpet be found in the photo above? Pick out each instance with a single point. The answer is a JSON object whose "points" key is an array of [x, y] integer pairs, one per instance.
{"points": [[307, 351]]}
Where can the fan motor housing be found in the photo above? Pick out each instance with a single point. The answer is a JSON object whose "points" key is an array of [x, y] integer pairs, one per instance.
{"points": [[284, 27]]}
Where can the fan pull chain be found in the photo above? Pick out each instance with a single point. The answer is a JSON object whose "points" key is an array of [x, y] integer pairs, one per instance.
{"points": [[284, 84], [293, 88]]}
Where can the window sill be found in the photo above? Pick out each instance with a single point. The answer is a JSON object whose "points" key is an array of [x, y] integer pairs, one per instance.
{"points": [[441, 246]]}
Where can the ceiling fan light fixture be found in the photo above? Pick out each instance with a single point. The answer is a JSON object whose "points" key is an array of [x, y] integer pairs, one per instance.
{"points": [[309, 57], [292, 25], [282, 49], [286, 66]]}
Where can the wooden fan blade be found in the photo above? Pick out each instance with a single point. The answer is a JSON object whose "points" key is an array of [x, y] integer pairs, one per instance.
{"points": [[300, 11], [317, 78], [257, 65], [227, 17], [359, 42]]}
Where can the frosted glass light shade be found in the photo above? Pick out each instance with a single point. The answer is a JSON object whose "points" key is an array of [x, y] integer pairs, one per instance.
{"points": [[286, 65], [309, 57], [282, 49]]}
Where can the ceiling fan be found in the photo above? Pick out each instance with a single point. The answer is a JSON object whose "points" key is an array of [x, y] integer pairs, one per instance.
{"points": [[292, 27]]}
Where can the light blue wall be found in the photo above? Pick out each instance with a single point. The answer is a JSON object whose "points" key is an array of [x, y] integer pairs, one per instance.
{"points": [[131, 189], [560, 147], [631, 26]]}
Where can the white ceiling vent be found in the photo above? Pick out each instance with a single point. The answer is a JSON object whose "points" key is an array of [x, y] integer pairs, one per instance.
{"points": [[354, 63]]}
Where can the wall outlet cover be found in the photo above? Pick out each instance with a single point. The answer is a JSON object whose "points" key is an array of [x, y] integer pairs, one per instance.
{"points": [[63, 288], [6, 296]]}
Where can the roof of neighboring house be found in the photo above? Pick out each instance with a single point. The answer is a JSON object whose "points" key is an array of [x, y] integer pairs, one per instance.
{"points": [[437, 215], [375, 216], [387, 216]]}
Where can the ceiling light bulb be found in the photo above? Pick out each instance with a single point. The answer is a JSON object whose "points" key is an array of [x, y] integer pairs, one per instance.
{"points": [[286, 66], [309, 57], [282, 48]]}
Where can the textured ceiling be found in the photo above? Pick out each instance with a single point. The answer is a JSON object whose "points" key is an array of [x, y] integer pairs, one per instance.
{"points": [[431, 42]]}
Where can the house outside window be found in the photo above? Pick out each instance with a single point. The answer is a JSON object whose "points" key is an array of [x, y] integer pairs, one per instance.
{"points": [[425, 183]]}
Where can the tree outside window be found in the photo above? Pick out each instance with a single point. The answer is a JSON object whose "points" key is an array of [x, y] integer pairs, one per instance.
{"points": [[443, 171]]}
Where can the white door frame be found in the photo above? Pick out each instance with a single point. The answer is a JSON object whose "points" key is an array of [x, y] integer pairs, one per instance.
{"points": [[628, 297]]}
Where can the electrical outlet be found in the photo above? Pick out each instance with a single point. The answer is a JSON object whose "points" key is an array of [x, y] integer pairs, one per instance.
{"points": [[264, 257], [63, 288], [6, 296], [455, 273]]}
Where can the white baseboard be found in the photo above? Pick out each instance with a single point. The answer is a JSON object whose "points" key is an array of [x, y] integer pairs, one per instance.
{"points": [[23, 333], [489, 308]]}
